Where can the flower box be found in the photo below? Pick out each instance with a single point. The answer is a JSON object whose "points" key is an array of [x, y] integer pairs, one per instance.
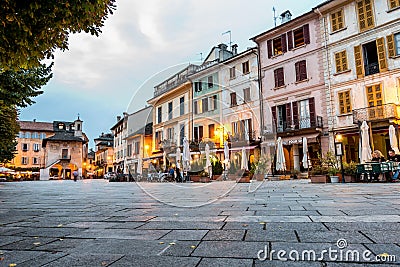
{"points": [[318, 179]]}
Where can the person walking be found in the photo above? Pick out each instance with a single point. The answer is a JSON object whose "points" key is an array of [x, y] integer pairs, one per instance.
{"points": [[75, 173]]}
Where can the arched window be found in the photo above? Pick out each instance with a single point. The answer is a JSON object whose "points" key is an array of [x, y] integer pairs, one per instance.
{"points": [[42, 136], [35, 135], [27, 135], [21, 135]]}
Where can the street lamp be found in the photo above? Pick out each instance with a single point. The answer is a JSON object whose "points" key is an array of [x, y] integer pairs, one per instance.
{"points": [[339, 152]]}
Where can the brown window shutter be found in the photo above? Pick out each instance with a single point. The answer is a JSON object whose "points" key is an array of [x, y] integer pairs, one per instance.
{"points": [[380, 45], [303, 70], [281, 79], [273, 111], [297, 67], [290, 40], [311, 105], [359, 61], [288, 114], [390, 45], [295, 111], [269, 48], [283, 42], [276, 77], [306, 33], [195, 107]]}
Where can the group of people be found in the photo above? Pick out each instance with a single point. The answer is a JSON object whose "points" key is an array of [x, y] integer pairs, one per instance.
{"points": [[175, 174], [377, 156]]}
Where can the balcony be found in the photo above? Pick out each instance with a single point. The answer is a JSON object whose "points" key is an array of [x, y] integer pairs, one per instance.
{"points": [[300, 124], [378, 113]]}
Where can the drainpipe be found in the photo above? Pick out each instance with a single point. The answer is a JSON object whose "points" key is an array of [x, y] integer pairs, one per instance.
{"points": [[330, 114], [260, 92]]}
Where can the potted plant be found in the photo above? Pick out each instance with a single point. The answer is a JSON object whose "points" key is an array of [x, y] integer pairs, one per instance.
{"points": [[319, 172], [204, 177], [260, 168], [332, 172], [217, 170], [350, 171], [295, 173]]}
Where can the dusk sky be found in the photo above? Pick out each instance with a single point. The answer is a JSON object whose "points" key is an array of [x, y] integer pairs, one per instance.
{"points": [[101, 77]]}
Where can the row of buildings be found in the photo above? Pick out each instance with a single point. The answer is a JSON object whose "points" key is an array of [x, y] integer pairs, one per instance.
{"points": [[318, 76]]}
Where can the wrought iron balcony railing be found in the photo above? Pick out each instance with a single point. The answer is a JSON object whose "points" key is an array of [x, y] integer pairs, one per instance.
{"points": [[383, 112], [372, 68], [303, 123], [244, 136]]}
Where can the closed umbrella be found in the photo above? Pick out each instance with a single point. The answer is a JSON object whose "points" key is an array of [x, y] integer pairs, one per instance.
{"points": [[139, 166], [186, 154], [280, 156], [365, 147], [305, 151], [178, 158], [208, 162], [244, 163], [226, 154], [393, 139]]}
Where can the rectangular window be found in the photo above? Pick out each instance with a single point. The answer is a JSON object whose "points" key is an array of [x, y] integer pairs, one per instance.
{"points": [[281, 118], [204, 103], [365, 15], [198, 86], [129, 150], [64, 153], [344, 102], [211, 103], [394, 3], [279, 77], [36, 147], [277, 43], [233, 99], [158, 139], [195, 107], [159, 115], [170, 109], [25, 147], [181, 134], [245, 67], [198, 133], [200, 106], [211, 131], [35, 161], [301, 71], [341, 61], [246, 94], [397, 43], [24, 160], [232, 73], [136, 148], [374, 95], [337, 22], [182, 106], [304, 114], [215, 99], [210, 82], [170, 133]]}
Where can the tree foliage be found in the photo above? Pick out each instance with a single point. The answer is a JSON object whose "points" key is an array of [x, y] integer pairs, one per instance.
{"points": [[31, 31], [8, 130]]}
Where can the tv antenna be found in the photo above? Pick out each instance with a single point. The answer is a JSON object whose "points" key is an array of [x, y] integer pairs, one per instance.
{"points": [[273, 9], [230, 38], [201, 56]]}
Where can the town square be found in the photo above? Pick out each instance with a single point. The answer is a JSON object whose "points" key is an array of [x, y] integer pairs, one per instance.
{"points": [[189, 133]]}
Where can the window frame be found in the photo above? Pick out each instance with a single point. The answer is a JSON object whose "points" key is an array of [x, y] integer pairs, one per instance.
{"points": [[233, 97], [159, 114], [279, 82], [247, 94], [299, 73], [397, 4], [246, 67], [366, 27], [232, 72], [182, 106], [373, 93], [336, 20], [345, 106], [210, 81], [339, 56]]}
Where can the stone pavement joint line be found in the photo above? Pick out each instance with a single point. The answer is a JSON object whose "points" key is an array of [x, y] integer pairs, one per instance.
{"points": [[97, 223]]}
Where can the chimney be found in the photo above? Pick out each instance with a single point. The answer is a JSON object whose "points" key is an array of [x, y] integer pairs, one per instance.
{"points": [[286, 16], [118, 118], [234, 49], [34, 120]]}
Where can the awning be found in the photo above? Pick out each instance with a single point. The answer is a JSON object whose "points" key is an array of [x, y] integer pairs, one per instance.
{"points": [[241, 147], [156, 156]]}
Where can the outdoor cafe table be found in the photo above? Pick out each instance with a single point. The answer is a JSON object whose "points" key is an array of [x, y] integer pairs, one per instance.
{"points": [[384, 167]]}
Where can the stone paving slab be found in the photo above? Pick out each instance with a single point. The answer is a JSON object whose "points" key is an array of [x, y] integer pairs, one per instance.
{"points": [[94, 222]]}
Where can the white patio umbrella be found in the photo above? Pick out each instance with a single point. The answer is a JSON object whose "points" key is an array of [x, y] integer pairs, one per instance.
{"points": [[208, 162], [393, 139], [280, 156], [186, 154], [244, 163], [4, 169], [178, 158], [365, 147], [139, 166], [165, 159], [226, 154], [305, 151]]}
